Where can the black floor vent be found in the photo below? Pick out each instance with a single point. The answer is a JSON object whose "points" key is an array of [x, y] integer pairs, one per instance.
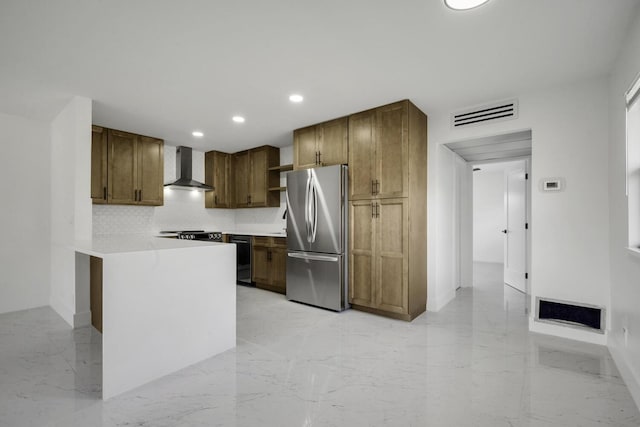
{"points": [[582, 316]]}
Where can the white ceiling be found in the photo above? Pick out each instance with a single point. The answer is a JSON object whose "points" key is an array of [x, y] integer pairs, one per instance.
{"points": [[165, 68]]}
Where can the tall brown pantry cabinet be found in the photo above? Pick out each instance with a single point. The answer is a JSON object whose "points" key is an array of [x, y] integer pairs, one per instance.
{"points": [[387, 215]]}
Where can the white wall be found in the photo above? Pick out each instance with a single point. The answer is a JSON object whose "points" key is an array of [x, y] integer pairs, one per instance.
{"points": [[488, 216], [71, 218], [442, 250], [625, 267], [570, 228], [24, 186]]}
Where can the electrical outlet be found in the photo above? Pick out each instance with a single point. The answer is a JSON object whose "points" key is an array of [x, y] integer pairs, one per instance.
{"points": [[625, 334]]}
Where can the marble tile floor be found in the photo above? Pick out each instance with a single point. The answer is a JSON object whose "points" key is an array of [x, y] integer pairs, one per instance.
{"points": [[471, 364]]}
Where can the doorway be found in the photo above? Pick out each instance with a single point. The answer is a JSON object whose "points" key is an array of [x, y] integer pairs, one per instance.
{"points": [[500, 221], [502, 235]]}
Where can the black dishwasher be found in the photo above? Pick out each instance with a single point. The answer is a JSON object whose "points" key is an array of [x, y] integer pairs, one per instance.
{"points": [[243, 258]]}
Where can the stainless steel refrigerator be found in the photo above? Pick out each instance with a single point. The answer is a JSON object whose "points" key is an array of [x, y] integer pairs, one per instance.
{"points": [[317, 237]]}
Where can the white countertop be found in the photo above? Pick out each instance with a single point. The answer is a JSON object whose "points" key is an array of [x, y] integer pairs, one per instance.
{"points": [[99, 246], [257, 233], [241, 233]]}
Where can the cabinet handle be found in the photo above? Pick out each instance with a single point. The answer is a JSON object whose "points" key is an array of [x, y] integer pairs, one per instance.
{"points": [[249, 199], [104, 193], [320, 158], [373, 210], [377, 187], [377, 210], [215, 200]]}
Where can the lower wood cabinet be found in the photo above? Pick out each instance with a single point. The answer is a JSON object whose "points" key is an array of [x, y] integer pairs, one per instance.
{"points": [[379, 275], [95, 292], [269, 263]]}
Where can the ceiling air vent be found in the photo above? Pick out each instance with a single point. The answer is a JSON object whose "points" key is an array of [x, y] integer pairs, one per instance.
{"points": [[489, 113]]}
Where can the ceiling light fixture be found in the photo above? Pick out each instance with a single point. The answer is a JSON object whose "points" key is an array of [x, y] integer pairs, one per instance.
{"points": [[464, 4], [238, 119], [197, 134], [296, 98]]}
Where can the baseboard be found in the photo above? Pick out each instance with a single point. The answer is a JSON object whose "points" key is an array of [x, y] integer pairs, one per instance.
{"points": [[630, 377], [567, 332], [80, 320], [437, 304], [63, 311]]}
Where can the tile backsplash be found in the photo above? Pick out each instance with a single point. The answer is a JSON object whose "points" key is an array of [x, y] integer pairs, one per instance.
{"points": [[122, 220], [184, 209]]}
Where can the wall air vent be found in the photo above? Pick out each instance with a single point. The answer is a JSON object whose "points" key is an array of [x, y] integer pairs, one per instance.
{"points": [[582, 316], [488, 113]]}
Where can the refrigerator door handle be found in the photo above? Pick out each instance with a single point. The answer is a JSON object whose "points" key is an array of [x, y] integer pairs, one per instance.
{"points": [[313, 257], [314, 226], [307, 215]]}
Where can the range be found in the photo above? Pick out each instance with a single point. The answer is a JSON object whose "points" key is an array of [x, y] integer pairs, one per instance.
{"points": [[212, 236]]}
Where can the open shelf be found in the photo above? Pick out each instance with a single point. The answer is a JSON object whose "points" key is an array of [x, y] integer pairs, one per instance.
{"points": [[282, 168]]}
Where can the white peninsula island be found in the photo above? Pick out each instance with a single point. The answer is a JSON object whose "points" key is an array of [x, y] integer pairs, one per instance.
{"points": [[166, 304]]}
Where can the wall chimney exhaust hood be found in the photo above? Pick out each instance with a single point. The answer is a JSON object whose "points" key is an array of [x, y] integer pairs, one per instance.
{"points": [[184, 168]]}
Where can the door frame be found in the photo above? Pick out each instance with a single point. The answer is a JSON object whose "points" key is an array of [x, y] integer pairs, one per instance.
{"points": [[463, 210]]}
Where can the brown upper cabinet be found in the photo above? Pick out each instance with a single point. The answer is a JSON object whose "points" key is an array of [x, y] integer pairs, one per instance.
{"points": [[378, 145], [133, 165], [323, 144], [99, 164], [217, 173], [253, 177]]}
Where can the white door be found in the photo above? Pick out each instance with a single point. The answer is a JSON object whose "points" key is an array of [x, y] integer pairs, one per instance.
{"points": [[515, 204]]}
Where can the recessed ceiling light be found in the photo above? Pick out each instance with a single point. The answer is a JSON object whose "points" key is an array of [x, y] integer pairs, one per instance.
{"points": [[296, 98], [464, 4], [197, 134], [238, 119]]}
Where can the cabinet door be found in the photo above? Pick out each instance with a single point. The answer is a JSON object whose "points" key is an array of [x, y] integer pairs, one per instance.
{"points": [[241, 174], [150, 157], [258, 184], [260, 265], [216, 174], [392, 145], [221, 167], [392, 255], [304, 148], [362, 136], [99, 156], [122, 163], [279, 268], [333, 140], [361, 254]]}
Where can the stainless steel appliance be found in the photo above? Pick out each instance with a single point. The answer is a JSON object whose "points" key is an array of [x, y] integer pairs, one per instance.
{"points": [[212, 236], [317, 237], [243, 258]]}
